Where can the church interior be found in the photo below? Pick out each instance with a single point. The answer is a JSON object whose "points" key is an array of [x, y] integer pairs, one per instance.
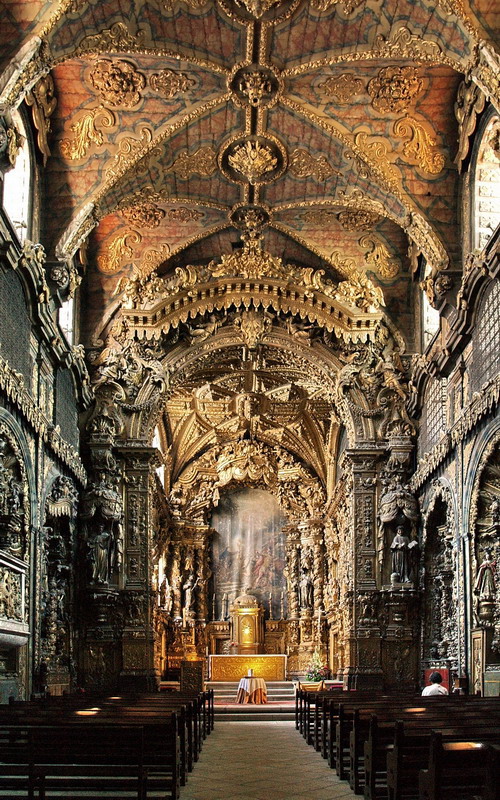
{"points": [[249, 344]]}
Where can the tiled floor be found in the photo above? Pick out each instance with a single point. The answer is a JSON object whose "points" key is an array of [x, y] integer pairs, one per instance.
{"points": [[261, 761]]}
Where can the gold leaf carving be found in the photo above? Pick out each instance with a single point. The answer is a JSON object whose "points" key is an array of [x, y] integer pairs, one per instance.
{"points": [[253, 160], [376, 150], [202, 162], [112, 259], [128, 149], [359, 291], [252, 325], [420, 147], [86, 132], [169, 83], [319, 216], [402, 43], [304, 165], [348, 5], [184, 214], [250, 262], [154, 258], [379, 257], [43, 102], [346, 266], [117, 38], [255, 86], [118, 82], [342, 88], [257, 7], [352, 220], [395, 88], [145, 215]]}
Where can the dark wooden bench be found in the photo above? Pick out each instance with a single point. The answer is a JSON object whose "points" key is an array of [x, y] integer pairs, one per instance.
{"points": [[459, 771], [97, 761]]}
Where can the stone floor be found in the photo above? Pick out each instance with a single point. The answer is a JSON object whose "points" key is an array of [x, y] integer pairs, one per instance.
{"points": [[261, 761]]}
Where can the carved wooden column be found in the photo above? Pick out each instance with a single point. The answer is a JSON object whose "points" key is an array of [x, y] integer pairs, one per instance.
{"points": [[138, 633], [366, 671], [202, 572], [176, 579]]}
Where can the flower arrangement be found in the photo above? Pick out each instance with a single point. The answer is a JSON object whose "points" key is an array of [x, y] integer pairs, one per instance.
{"points": [[316, 670]]}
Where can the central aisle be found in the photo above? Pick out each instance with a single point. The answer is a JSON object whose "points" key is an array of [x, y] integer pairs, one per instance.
{"points": [[261, 761]]}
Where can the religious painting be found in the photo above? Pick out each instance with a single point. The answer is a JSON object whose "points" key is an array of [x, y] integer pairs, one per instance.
{"points": [[248, 552]]}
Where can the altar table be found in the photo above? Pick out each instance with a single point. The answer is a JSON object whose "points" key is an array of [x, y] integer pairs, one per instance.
{"points": [[252, 690], [232, 667]]}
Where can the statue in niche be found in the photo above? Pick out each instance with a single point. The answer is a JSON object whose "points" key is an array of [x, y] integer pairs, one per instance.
{"points": [[485, 586], [102, 512], [189, 588], [11, 495], [101, 554], [402, 550], [166, 598], [306, 590]]}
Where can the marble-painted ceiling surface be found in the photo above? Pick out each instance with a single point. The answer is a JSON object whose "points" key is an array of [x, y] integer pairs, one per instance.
{"points": [[326, 125]]}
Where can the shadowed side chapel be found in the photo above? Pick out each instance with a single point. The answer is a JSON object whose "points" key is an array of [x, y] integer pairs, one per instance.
{"points": [[249, 346]]}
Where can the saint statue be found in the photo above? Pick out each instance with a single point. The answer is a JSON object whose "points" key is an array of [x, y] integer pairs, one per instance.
{"points": [[166, 595], [306, 590], [485, 587], [189, 588], [401, 548], [102, 544]]}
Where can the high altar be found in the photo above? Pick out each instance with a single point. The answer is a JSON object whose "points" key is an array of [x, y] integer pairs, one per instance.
{"points": [[232, 668]]}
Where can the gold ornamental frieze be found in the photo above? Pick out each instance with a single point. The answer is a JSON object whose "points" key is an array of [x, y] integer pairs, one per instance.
{"points": [[348, 6], [201, 162], [144, 215], [305, 165], [254, 85], [320, 216], [342, 88], [352, 220], [395, 89], [118, 83], [87, 132], [351, 309], [379, 258], [116, 39], [253, 159], [169, 84], [420, 148], [118, 251]]}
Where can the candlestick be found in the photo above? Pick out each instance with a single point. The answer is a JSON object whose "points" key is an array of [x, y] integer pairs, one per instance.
{"points": [[213, 605]]}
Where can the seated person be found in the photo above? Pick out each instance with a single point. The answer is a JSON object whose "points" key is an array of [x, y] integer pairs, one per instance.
{"points": [[434, 686]]}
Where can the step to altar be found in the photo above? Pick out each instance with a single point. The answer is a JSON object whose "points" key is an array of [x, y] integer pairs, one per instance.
{"points": [[277, 692]]}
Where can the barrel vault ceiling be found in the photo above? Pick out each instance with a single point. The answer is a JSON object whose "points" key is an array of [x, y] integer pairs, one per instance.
{"points": [[179, 125]]}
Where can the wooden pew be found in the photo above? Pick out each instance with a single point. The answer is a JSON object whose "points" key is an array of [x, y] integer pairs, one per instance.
{"points": [[457, 770], [143, 708], [103, 761]]}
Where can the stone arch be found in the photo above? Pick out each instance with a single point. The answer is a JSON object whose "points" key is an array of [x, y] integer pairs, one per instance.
{"points": [[54, 656], [482, 516], [441, 642], [486, 179], [18, 515]]}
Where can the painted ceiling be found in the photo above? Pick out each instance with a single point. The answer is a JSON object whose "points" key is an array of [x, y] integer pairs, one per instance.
{"points": [[331, 119]]}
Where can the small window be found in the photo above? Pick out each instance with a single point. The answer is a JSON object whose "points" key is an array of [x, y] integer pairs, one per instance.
{"points": [[66, 319], [487, 184], [430, 316], [157, 443], [17, 184]]}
